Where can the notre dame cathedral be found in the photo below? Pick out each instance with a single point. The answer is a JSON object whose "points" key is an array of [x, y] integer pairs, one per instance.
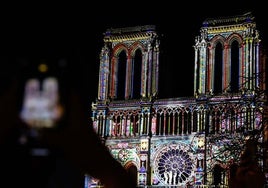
{"points": [[182, 141]]}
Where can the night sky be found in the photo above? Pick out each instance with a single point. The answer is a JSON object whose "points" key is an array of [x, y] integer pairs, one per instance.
{"points": [[68, 37]]}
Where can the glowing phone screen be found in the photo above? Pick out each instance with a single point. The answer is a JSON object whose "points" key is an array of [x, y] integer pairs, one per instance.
{"points": [[41, 106]]}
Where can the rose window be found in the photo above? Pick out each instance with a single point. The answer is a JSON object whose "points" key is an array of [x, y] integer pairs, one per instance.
{"points": [[174, 165], [123, 155]]}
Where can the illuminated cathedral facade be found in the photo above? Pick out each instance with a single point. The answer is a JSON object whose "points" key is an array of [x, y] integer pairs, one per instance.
{"points": [[180, 141]]}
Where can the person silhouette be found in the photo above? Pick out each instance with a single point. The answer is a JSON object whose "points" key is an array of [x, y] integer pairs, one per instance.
{"points": [[55, 157], [249, 173]]}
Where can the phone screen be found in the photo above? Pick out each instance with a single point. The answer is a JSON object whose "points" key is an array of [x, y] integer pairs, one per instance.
{"points": [[40, 104]]}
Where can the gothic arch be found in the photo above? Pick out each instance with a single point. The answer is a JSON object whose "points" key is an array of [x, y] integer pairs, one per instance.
{"points": [[119, 48], [136, 65], [233, 37], [234, 55], [114, 69], [220, 58], [217, 174], [132, 170], [134, 47], [131, 163], [216, 64], [216, 39], [132, 78]]}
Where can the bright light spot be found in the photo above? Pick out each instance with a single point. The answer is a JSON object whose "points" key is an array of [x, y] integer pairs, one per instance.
{"points": [[43, 67]]}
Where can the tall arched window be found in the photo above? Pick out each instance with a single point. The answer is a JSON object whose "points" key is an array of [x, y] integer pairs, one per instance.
{"points": [[234, 66], [198, 72], [121, 75], [218, 69], [136, 75], [132, 171]]}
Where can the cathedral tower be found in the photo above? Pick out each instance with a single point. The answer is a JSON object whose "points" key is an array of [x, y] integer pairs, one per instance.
{"points": [[227, 56], [129, 63]]}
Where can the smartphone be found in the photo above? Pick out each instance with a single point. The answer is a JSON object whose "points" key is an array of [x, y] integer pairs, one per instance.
{"points": [[40, 105]]}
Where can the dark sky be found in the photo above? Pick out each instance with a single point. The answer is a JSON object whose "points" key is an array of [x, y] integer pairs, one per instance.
{"points": [[69, 36]]}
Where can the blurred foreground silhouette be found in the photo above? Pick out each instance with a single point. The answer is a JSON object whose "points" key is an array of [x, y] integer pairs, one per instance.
{"points": [[248, 173], [54, 157]]}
